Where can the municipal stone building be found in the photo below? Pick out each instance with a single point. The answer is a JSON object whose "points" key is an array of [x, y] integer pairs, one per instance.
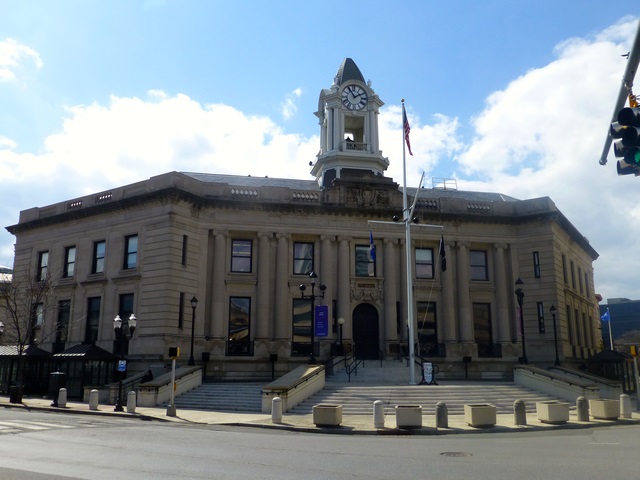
{"points": [[243, 246]]}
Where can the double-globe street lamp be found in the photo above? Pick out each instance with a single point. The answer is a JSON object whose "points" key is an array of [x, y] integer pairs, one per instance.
{"points": [[123, 334], [520, 297], [194, 304], [313, 276]]}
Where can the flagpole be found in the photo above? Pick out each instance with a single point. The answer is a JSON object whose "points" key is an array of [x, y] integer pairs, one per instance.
{"points": [[610, 334], [407, 224]]}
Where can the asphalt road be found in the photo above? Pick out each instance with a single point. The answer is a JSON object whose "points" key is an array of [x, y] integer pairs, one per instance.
{"points": [[70, 446]]}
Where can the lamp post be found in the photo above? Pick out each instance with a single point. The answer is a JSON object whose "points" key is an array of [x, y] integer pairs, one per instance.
{"points": [[341, 324], [123, 333], [313, 276], [194, 304], [520, 296], [555, 333]]}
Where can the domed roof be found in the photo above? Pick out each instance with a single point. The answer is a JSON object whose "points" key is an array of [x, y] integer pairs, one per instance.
{"points": [[348, 71]]}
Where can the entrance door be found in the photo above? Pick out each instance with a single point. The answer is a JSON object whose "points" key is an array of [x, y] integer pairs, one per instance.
{"points": [[366, 336]]}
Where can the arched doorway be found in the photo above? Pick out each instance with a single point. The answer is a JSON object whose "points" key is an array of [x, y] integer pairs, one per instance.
{"points": [[366, 336]]}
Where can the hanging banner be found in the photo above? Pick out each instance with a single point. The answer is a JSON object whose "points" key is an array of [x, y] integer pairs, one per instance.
{"points": [[321, 317]]}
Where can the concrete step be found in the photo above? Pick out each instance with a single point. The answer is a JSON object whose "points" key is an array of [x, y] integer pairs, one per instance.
{"points": [[232, 397]]}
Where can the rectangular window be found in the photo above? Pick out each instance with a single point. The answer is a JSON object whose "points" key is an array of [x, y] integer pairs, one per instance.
{"points": [[576, 318], [181, 312], [130, 252], [482, 329], [572, 335], [301, 328], [62, 326], [185, 242], [580, 279], [69, 262], [99, 249], [573, 275], [302, 258], [540, 317], [586, 284], [427, 329], [241, 256], [93, 320], [239, 339], [424, 262], [365, 266], [43, 266], [564, 269], [536, 264], [125, 310], [479, 268]]}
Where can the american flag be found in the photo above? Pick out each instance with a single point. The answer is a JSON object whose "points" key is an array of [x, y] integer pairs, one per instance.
{"points": [[407, 129]]}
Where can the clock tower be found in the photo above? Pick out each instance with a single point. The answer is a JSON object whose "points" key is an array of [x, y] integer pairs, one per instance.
{"points": [[348, 114]]}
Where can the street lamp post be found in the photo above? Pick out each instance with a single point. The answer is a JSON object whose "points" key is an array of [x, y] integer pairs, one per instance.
{"points": [[313, 276], [341, 324], [123, 333], [520, 296], [555, 333], [194, 304]]}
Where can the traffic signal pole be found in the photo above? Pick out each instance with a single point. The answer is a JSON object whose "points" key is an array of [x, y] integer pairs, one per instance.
{"points": [[625, 89]]}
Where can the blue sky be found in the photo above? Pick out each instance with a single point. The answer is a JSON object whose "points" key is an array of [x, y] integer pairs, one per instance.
{"points": [[502, 95]]}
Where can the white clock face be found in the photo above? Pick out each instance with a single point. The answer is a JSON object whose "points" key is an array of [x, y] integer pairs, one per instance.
{"points": [[354, 97]]}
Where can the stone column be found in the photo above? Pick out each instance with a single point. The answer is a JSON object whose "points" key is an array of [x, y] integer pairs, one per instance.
{"points": [[390, 291], [218, 295], [262, 316], [449, 313], [283, 303], [344, 285], [502, 295], [465, 320]]}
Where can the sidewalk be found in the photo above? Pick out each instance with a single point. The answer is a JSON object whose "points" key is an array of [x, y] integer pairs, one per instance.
{"points": [[351, 424]]}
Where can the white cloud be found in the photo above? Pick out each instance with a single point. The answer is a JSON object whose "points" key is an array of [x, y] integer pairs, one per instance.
{"points": [[13, 57], [289, 105]]}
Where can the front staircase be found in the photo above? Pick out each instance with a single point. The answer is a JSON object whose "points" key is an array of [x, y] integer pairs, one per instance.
{"points": [[356, 393]]}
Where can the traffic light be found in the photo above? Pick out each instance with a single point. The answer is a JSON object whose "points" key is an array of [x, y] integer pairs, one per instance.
{"points": [[626, 131]]}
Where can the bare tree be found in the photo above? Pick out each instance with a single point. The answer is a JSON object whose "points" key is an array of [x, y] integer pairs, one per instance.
{"points": [[24, 304]]}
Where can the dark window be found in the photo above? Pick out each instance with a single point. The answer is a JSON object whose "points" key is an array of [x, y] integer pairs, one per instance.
{"points": [[43, 266], [241, 256], [586, 284], [576, 318], [125, 310], [93, 320], [564, 269], [69, 262], [536, 264], [479, 268], [540, 317], [239, 319], [62, 327], [573, 275], [99, 249], [572, 334], [302, 258], [424, 262], [181, 312], [580, 279], [482, 324], [185, 242], [365, 266], [427, 329], [130, 252]]}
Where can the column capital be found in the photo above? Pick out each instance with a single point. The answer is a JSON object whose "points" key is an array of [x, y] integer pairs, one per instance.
{"points": [[462, 245], [501, 246], [282, 236]]}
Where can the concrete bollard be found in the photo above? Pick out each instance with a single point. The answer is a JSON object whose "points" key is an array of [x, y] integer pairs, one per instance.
{"points": [[378, 414], [442, 415], [62, 397], [131, 402], [519, 412], [582, 409], [276, 410], [625, 406], [93, 399]]}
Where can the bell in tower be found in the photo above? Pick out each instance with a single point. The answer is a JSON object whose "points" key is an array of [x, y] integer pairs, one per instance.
{"points": [[348, 114]]}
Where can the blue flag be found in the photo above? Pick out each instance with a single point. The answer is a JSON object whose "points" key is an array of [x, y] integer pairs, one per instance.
{"points": [[372, 248], [605, 317]]}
